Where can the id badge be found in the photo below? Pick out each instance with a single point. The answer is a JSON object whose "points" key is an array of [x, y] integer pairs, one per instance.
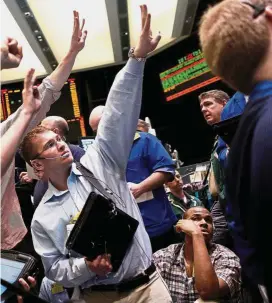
{"points": [[56, 288]]}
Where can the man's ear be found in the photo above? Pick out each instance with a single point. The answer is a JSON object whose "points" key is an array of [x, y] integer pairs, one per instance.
{"points": [[36, 164], [38, 168]]}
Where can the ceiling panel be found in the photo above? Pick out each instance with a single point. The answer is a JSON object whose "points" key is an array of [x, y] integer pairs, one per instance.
{"points": [[162, 18], [56, 21], [9, 28]]}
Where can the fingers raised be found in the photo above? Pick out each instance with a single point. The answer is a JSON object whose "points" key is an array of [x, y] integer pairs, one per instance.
{"points": [[146, 29], [29, 78], [143, 14]]}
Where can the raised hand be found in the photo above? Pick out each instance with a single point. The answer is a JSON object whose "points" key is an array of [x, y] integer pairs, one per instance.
{"points": [[146, 43], [11, 53], [79, 36], [31, 97]]}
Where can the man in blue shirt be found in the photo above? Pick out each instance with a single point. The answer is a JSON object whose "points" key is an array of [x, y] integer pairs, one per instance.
{"points": [[149, 168], [242, 57], [234, 107], [68, 191]]}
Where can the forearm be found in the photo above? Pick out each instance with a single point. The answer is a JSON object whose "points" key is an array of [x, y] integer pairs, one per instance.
{"points": [[119, 121], [12, 138], [155, 180], [60, 75], [69, 272], [206, 280]]}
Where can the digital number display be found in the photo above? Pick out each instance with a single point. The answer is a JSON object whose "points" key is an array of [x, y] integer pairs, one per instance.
{"points": [[67, 106], [191, 73]]}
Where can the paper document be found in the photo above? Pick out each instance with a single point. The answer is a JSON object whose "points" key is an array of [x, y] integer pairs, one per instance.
{"points": [[144, 197]]}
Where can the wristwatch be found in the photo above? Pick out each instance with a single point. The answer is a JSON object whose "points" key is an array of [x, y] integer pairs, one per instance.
{"points": [[132, 55]]}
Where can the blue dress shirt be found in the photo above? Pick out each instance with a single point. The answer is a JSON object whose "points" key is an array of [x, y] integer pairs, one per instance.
{"points": [[107, 158], [146, 157]]}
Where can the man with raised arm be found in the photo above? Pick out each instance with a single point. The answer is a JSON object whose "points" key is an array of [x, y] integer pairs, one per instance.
{"points": [[137, 279], [13, 229]]}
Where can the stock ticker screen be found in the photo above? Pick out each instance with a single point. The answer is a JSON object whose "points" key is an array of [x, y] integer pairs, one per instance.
{"points": [[189, 74], [67, 106]]}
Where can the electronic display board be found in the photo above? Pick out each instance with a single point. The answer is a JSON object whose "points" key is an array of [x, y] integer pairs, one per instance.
{"points": [[67, 106], [189, 74]]}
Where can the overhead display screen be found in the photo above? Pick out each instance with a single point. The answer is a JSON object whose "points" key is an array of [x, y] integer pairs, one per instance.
{"points": [[67, 106], [190, 74]]}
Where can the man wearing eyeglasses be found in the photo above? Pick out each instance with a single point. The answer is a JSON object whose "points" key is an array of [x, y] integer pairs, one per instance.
{"points": [[236, 37], [60, 126], [68, 191]]}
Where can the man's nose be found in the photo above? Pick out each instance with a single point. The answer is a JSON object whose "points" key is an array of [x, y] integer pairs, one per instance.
{"points": [[203, 223], [61, 145]]}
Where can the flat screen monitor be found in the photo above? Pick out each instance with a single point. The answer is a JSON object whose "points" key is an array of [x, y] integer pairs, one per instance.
{"points": [[84, 142], [185, 70]]}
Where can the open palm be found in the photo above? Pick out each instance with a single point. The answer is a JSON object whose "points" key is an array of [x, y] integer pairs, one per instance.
{"points": [[146, 43]]}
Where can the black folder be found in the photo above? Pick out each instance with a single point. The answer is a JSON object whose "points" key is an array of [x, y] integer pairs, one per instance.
{"points": [[102, 228]]}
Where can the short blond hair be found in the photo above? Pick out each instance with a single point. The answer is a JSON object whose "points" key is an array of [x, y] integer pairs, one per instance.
{"points": [[234, 43], [218, 95]]}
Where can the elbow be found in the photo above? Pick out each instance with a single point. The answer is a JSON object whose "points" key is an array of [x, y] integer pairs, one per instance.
{"points": [[210, 293], [168, 177], [206, 295]]}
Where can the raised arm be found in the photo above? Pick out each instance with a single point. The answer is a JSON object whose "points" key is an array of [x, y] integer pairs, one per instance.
{"points": [[51, 85], [62, 72], [12, 138], [118, 124]]}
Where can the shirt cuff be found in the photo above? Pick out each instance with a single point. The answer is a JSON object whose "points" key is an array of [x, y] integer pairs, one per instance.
{"points": [[135, 67], [84, 268], [230, 284], [48, 85]]}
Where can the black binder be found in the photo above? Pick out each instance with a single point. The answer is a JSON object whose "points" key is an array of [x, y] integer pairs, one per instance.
{"points": [[102, 228], [226, 129]]}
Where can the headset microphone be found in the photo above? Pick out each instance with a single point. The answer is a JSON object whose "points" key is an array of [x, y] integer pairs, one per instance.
{"points": [[66, 155]]}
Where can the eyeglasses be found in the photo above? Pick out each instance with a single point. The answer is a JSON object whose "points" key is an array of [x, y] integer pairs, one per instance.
{"points": [[52, 143], [258, 9]]}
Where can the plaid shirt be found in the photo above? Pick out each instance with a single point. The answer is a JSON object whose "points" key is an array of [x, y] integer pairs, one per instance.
{"points": [[170, 263]]}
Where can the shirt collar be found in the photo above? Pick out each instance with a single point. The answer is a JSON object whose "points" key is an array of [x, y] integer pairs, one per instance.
{"points": [[261, 90], [53, 192], [179, 253], [136, 136]]}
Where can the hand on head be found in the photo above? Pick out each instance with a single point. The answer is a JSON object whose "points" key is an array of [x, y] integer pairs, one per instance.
{"points": [[11, 53], [146, 43]]}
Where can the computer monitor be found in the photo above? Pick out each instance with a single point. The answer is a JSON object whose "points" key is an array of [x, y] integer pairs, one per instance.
{"points": [[84, 142]]}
